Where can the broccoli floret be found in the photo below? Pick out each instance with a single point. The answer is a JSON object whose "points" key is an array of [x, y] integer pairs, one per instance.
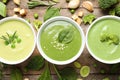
{"points": [[117, 10], [104, 4], [89, 18]]}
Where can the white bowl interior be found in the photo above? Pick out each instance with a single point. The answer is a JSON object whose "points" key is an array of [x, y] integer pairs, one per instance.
{"points": [[55, 61], [88, 47], [24, 21]]}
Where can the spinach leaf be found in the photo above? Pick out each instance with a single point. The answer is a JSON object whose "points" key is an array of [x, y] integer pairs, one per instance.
{"points": [[51, 12], [2, 9], [68, 73], [66, 36], [46, 74], [16, 74], [35, 63]]}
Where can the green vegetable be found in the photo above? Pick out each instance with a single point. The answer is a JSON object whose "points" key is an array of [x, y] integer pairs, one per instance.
{"points": [[95, 65], [110, 38], [36, 16], [46, 74], [33, 4], [11, 39], [77, 64], [84, 71], [66, 36], [88, 18], [68, 73], [72, 11], [35, 63], [112, 12], [16, 74], [51, 12], [37, 24], [118, 77], [106, 78], [4, 1], [58, 74], [2, 9], [55, 1], [104, 4]]}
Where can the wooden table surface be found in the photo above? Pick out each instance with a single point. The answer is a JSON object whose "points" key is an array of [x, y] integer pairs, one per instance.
{"points": [[84, 59]]}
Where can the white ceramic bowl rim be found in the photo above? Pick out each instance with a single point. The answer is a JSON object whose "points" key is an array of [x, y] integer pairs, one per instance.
{"points": [[97, 58], [55, 61], [22, 20]]}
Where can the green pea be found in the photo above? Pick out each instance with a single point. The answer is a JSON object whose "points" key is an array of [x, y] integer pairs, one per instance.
{"points": [[19, 40], [72, 11], [13, 45], [36, 16]]}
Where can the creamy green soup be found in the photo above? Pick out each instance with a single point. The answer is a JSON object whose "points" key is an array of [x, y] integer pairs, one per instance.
{"points": [[105, 50], [53, 44], [21, 49]]}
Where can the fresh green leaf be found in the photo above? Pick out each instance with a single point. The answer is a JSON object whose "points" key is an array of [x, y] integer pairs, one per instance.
{"points": [[2, 9], [115, 68], [66, 36], [33, 4], [68, 73], [46, 74], [16, 74], [51, 12], [35, 63]]}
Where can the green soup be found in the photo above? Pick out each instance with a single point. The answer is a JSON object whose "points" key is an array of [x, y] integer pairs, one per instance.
{"points": [[22, 49], [55, 49], [104, 50]]}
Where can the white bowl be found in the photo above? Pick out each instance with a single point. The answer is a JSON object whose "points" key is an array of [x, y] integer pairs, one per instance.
{"points": [[63, 19], [33, 32], [88, 47]]}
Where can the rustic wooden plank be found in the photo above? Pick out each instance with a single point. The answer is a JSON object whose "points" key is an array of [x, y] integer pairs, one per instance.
{"points": [[90, 77]]}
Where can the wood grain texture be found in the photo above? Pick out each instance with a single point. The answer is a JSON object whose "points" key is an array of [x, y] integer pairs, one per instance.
{"points": [[84, 59]]}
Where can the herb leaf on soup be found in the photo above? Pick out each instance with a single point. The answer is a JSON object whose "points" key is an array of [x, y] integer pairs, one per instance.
{"points": [[51, 12], [66, 36]]}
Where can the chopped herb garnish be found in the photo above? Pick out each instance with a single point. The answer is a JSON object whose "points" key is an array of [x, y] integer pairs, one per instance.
{"points": [[11, 39]]}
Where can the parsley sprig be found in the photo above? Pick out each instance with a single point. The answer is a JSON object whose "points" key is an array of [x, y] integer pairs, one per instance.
{"points": [[11, 39]]}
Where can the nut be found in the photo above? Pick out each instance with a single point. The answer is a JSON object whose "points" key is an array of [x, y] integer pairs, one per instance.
{"points": [[26, 78], [23, 12], [15, 15], [79, 21], [17, 10], [73, 4], [74, 17], [88, 5], [16, 2], [80, 13]]}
